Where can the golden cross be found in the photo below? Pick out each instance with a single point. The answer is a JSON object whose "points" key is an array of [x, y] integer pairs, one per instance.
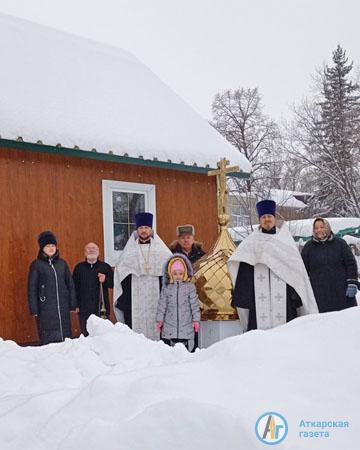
{"points": [[222, 192]]}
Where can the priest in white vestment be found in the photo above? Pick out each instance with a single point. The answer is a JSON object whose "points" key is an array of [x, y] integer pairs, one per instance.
{"points": [[271, 285], [137, 278]]}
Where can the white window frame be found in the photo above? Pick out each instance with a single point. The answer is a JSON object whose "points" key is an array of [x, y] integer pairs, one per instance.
{"points": [[108, 187]]}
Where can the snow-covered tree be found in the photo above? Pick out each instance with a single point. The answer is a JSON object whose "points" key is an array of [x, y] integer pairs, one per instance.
{"points": [[326, 138], [238, 115]]}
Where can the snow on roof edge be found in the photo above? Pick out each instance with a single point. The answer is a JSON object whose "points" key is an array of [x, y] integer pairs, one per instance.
{"points": [[109, 156], [179, 133]]}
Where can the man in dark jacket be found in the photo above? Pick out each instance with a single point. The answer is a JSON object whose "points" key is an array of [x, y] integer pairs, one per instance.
{"points": [[51, 291], [93, 278], [332, 268], [186, 244]]}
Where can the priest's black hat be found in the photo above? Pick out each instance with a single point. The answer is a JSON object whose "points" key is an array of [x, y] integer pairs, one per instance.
{"points": [[144, 219], [266, 207]]}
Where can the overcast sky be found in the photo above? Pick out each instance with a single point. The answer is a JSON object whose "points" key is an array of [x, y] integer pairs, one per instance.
{"points": [[200, 47]]}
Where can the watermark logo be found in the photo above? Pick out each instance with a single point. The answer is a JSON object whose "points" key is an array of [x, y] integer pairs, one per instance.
{"points": [[271, 428]]}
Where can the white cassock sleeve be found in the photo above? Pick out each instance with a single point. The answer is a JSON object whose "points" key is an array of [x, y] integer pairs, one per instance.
{"points": [[244, 318], [119, 315]]}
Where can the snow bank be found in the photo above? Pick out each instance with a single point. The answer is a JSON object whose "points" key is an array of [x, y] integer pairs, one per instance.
{"points": [[61, 88], [354, 243], [118, 390], [352, 240]]}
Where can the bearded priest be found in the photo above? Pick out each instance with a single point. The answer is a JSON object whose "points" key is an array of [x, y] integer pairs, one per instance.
{"points": [[137, 278], [271, 285]]}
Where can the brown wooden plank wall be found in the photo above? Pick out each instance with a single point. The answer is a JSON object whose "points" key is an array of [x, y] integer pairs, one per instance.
{"points": [[40, 191]]}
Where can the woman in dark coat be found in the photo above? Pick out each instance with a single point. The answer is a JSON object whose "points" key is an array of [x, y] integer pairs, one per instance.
{"points": [[331, 267], [51, 291]]}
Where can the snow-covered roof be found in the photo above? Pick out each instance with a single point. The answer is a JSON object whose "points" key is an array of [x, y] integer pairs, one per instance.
{"points": [[282, 197], [303, 228], [288, 198], [60, 88]]}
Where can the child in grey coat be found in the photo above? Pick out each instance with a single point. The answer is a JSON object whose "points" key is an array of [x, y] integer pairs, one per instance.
{"points": [[178, 313]]}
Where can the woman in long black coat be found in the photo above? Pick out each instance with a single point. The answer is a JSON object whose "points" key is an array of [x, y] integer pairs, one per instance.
{"points": [[51, 291], [331, 267]]}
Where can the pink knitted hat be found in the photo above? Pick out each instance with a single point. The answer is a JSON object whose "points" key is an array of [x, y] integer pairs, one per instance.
{"points": [[177, 265]]}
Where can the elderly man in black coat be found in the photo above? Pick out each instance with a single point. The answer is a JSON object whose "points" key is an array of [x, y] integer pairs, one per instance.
{"points": [[51, 291], [332, 268], [93, 278]]}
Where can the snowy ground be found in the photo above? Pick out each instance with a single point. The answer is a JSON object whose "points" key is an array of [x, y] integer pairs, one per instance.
{"points": [[354, 243], [117, 390]]}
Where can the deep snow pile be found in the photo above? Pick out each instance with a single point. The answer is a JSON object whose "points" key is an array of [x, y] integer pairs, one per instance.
{"points": [[118, 390], [354, 243]]}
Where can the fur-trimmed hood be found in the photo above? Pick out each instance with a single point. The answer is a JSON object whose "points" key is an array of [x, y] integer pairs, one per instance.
{"points": [[166, 275]]}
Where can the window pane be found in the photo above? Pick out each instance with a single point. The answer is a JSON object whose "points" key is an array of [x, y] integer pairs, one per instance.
{"points": [[132, 227], [120, 207], [136, 205], [125, 206], [121, 236]]}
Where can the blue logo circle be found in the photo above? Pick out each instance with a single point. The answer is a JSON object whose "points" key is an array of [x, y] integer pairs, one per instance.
{"points": [[271, 428]]}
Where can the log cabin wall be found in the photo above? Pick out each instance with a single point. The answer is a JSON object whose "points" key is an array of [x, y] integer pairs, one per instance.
{"points": [[43, 191]]}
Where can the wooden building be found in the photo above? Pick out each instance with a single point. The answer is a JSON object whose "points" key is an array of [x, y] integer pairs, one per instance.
{"points": [[89, 136]]}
